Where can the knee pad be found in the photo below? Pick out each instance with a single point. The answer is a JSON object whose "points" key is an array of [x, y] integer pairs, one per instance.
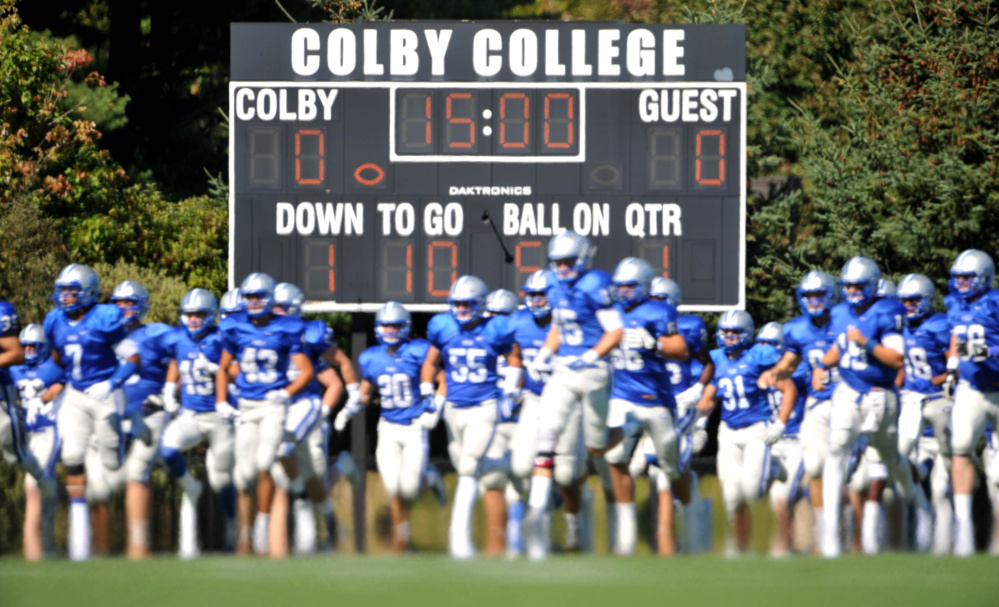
{"points": [[137, 470], [219, 480], [565, 470], [467, 466], [245, 475], [493, 481], [281, 479]]}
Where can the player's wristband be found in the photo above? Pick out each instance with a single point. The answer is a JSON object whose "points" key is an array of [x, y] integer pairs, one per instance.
{"points": [[869, 346], [953, 363], [426, 389], [821, 365], [589, 357]]}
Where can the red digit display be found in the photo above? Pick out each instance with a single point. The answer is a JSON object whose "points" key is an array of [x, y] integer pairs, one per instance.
{"points": [[709, 161], [416, 121], [459, 128], [529, 256], [442, 267], [514, 118], [310, 151], [559, 120], [397, 270]]}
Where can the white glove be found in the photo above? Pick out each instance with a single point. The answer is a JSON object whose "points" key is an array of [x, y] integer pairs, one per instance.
{"points": [[170, 403], [325, 412], [348, 411], [354, 397], [204, 368], [774, 431], [638, 339], [953, 363], [506, 406], [541, 366], [700, 436], [433, 406], [100, 390], [32, 409], [226, 411], [278, 397], [691, 396]]}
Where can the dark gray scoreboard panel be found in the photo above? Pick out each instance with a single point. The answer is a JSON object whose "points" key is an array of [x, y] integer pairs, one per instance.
{"points": [[370, 162]]}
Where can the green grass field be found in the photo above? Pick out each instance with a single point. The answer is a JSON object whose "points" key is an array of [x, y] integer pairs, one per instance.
{"points": [[887, 580]]}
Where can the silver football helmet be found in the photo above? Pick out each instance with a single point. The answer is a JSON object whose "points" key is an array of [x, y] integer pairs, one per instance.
{"points": [[886, 289], [816, 293], [258, 286], [195, 301], [919, 288], [972, 273], [536, 292], [666, 289], [231, 302], [467, 290], [289, 297], [636, 274], [82, 281], [502, 302], [34, 335], [864, 273], [570, 245], [387, 318], [131, 290], [772, 333], [739, 323]]}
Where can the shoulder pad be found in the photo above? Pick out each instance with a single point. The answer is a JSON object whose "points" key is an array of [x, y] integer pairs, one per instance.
{"points": [[106, 317], [158, 329], [318, 333]]}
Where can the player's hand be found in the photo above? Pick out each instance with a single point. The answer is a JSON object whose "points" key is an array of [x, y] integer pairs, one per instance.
{"points": [[204, 368], [820, 379], [32, 409], [691, 396], [541, 366], [978, 351], [963, 349], [432, 408], [767, 380], [506, 406], [170, 403], [100, 390], [950, 381], [638, 339], [278, 397], [225, 411], [774, 432], [353, 397], [856, 335], [341, 419], [588, 358]]}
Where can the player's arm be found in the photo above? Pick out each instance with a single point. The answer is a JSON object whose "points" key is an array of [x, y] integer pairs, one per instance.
{"points": [[552, 339], [821, 372], [610, 321], [707, 403], [673, 347], [173, 372], [782, 370], [13, 352], [222, 377], [367, 391], [428, 372], [891, 353], [306, 375], [790, 394], [52, 392], [708, 372], [333, 387], [900, 378], [513, 357], [336, 357]]}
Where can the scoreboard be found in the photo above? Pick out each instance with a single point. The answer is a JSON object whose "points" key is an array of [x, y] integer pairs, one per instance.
{"points": [[380, 161]]}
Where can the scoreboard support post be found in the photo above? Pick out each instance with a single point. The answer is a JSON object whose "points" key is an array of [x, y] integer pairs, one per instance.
{"points": [[359, 435]]}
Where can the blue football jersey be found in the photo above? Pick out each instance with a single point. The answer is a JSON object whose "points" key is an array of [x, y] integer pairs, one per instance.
{"points": [[317, 339], [682, 374], [87, 347], [397, 377], [32, 380], [10, 326], [263, 353], [640, 376], [926, 348], [977, 322], [470, 356], [154, 361], [574, 311], [743, 402], [810, 343], [197, 388], [801, 378], [862, 372], [530, 336]]}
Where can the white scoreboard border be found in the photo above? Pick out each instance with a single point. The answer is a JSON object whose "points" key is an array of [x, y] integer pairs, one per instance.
{"points": [[333, 306]]}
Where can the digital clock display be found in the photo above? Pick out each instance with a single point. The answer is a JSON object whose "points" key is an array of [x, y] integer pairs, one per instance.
{"points": [[364, 187]]}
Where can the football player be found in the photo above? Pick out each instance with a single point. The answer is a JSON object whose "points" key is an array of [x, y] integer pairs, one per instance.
{"points": [[748, 428], [925, 410], [262, 346], [88, 339], [13, 442], [787, 451], [688, 379], [973, 312], [470, 347], [393, 369], [195, 348], [870, 351], [586, 327], [642, 391], [143, 409], [807, 338], [304, 453], [39, 383]]}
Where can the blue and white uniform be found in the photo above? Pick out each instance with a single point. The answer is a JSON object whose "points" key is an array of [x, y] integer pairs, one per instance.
{"points": [[976, 400], [582, 312], [87, 349], [743, 456], [810, 341], [13, 442], [470, 368], [922, 403], [402, 447], [31, 381], [264, 355], [143, 398], [197, 422], [641, 384]]}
